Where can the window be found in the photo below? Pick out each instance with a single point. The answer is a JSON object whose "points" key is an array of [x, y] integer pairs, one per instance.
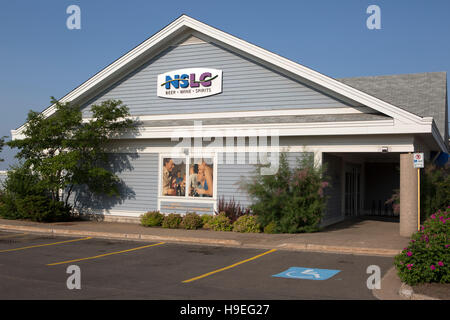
{"points": [[187, 177], [201, 177], [173, 177]]}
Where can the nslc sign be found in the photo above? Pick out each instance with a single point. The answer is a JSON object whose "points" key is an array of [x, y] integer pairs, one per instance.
{"points": [[189, 83]]}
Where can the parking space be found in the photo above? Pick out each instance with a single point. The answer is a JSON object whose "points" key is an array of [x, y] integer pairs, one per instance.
{"points": [[142, 270]]}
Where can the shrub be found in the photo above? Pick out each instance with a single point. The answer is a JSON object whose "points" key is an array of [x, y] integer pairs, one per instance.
{"points": [[246, 223], [232, 209], [291, 198], [192, 221], [434, 189], [8, 208], [220, 222], [172, 221], [152, 219], [206, 219], [25, 198], [427, 257], [43, 209], [270, 228]]}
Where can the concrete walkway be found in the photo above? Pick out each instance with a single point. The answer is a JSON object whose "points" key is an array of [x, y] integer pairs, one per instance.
{"points": [[356, 236]]}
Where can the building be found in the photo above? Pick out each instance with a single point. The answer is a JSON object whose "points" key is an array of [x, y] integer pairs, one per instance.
{"points": [[193, 80]]}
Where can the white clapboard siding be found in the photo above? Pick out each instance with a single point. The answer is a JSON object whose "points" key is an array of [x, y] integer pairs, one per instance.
{"points": [[246, 85]]}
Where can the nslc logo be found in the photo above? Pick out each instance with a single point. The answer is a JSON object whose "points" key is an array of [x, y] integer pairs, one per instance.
{"points": [[189, 83]]}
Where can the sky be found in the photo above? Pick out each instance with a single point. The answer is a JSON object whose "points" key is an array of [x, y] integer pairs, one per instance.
{"points": [[40, 57]]}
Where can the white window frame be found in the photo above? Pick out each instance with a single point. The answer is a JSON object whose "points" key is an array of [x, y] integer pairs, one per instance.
{"points": [[186, 197]]}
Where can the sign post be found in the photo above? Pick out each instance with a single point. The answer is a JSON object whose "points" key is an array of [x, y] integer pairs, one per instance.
{"points": [[418, 163]]}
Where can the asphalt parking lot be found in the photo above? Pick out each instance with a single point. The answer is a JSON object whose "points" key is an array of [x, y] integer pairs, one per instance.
{"points": [[34, 267]]}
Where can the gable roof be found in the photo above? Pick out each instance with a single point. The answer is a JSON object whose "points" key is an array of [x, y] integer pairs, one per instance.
{"points": [[183, 25], [423, 94]]}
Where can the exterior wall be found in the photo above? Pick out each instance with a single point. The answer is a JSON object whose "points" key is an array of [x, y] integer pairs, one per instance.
{"points": [[232, 175], [139, 173], [246, 85]]}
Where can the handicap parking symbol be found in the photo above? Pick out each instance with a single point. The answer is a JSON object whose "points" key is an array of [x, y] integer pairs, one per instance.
{"points": [[307, 273]]}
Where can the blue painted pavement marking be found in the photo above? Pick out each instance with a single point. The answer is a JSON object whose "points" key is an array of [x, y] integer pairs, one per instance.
{"points": [[307, 273]]}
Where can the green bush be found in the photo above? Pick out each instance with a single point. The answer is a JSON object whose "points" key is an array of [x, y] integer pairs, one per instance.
{"points": [[8, 207], [270, 228], [152, 219], [172, 221], [434, 189], [293, 199], [25, 198], [43, 209], [246, 223], [206, 219], [21, 182], [427, 257], [192, 221], [219, 222]]}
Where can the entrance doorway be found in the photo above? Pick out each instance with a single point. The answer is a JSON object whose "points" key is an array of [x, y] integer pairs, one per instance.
{"points": [[352, 190]]}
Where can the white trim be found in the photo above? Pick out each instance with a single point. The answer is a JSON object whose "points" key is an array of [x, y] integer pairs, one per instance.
{"points": [[284, 129], [246, 114], [124, 213], [346, 148]]}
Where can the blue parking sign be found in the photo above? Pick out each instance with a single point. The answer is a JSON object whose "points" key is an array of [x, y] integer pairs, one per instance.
{"points": [[307, 273]]}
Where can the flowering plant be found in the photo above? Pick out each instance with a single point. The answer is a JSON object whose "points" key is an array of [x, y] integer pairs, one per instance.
{"points": [[293, 199], [427, 257]]}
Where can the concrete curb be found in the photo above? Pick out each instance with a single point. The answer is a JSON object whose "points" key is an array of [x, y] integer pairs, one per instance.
{"points": [[340, 249], [114, 235], [204, 241], [407, 292]]}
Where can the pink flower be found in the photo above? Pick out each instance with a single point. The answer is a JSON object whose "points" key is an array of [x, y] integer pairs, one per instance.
{"points": [[440, 263], [433, 216], [409, 253], [324, 184], [432, 267]]}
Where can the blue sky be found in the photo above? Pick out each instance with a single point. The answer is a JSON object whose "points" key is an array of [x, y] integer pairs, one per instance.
{"points": [[40, 57]]}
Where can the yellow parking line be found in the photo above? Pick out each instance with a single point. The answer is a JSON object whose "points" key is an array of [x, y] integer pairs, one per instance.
{"points": [[12, 235], [104, 255], [229, 267], [44, 245]]}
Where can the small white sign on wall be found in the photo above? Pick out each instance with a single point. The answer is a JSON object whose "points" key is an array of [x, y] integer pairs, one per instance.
{"points": [[418, 160], [189, 83]]}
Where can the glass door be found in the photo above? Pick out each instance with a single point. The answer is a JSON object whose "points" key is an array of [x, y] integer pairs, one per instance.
{"points": [[352, 190]]}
